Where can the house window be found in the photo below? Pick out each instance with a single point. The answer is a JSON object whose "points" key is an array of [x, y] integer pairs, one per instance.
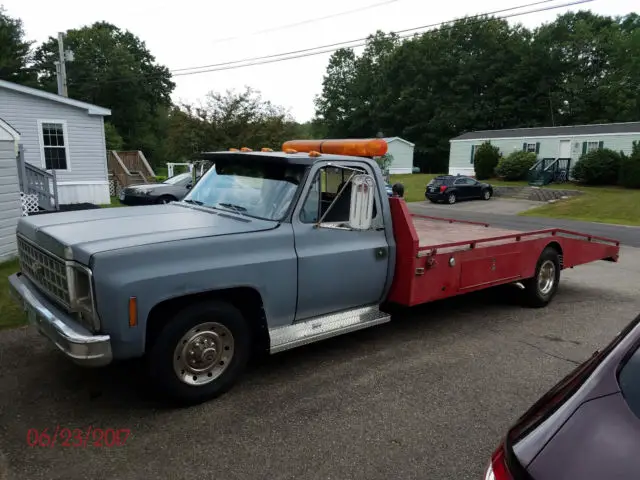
{"points": [[531, 147], [592, 146], [54, 146]]}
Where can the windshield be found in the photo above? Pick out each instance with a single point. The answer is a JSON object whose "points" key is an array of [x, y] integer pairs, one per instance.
{"points": [[178, 179], [259, 189]]}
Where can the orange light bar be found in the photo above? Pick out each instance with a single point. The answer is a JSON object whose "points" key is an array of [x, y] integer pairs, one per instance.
{"points": [[233, 149], [246, 149], [361, 147], [133, 311], [264, 149]]}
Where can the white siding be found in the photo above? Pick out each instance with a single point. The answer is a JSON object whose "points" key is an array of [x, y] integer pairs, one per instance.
{"points": [[87, 160], [460, 150], [402, 157], [10, 210]]}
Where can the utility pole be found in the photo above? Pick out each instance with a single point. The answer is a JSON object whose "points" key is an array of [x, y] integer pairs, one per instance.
{"points": [[61, 70]]}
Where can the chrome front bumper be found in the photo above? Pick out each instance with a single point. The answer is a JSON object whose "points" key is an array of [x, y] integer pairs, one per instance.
{"points": [[75, 341]]}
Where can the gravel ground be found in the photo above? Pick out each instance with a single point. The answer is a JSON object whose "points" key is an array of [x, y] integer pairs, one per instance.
{"points": [[426, 396]]}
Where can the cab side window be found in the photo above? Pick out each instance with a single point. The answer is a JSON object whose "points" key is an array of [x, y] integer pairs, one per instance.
{"points": [[324, 190]]}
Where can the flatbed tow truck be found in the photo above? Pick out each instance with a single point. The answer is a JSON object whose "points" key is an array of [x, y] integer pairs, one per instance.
{"points": [[268, 251]]}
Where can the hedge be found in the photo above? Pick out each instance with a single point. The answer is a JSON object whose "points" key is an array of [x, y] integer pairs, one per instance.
{"points": [[516, 165], [486, 160]]}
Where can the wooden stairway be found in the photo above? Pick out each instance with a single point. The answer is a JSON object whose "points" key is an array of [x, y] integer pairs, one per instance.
{"points": [[129, 168]]}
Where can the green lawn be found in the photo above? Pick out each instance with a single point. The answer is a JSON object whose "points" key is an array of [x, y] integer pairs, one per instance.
{"points": [[596, 204], [114, 203], [10, 314]]}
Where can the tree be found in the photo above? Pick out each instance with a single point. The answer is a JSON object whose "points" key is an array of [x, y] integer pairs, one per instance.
{"points": [[483, 73], [113, 68], [15, 52], [226, 120], [486, 160], [113, 139]]}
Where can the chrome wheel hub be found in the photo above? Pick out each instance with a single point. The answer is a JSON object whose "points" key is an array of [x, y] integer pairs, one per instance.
{"points": [[487, 195], [452, 198], [203, 353], [546, 277]]}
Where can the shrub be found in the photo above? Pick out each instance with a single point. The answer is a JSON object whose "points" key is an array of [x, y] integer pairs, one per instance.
{"points": [[485, 160], [516, 166], [630, 168], [600, 167]]}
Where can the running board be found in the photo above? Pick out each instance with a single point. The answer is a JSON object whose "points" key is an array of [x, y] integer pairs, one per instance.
{"points": [[325, 326]]}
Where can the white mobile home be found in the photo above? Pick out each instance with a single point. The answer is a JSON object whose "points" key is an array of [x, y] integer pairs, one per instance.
{"points": [[546, 142], [402, 152], [61, 134]]}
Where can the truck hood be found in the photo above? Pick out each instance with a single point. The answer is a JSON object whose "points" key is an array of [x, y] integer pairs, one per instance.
{"points": [[87, 232]]}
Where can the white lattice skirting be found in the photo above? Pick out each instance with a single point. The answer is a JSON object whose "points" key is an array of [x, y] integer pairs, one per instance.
{"points": [[114, 188], [29, 203]]}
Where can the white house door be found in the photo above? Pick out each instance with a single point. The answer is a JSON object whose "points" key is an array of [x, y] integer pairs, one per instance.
{"points": [[565, 149]]}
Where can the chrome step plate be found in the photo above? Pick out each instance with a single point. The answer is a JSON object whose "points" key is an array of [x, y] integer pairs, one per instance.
{"points": [[326, 326]]}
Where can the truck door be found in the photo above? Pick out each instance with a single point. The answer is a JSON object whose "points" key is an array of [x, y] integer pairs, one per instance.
{"points": [[338, 268]]}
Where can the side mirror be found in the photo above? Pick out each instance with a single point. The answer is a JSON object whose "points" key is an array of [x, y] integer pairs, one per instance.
{"points": [[188, 186], [362, 196]]}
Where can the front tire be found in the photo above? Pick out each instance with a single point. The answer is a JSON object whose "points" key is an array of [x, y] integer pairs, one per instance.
{"points": [[540, 290], [486, 194], [451, 198], [200, 353]]}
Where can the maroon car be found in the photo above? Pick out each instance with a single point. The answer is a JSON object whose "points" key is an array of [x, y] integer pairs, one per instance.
{"points": [[586, 427]]}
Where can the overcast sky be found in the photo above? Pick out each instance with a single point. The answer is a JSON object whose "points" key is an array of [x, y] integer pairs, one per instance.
{"points": [[190, 33]]}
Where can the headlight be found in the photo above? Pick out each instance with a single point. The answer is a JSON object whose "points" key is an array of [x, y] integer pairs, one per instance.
{"points": [[81, 295]]}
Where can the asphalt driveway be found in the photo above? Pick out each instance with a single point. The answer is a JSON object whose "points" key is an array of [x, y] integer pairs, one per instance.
{"points": [[426, 396]]}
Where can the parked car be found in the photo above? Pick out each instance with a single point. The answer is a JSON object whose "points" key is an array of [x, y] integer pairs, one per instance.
{"points": [[586, 427], [171, 190], [451, 188]]}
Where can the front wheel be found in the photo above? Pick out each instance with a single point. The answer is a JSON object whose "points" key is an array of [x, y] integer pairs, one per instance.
{"points": [[451, 198], [540, 290], [486, 194], [200, 353]]}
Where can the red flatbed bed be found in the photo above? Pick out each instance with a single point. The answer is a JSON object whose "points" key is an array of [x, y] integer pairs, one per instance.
{"points": [[439, 257]]}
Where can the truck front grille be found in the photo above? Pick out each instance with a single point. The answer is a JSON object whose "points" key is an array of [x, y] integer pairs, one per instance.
{"points": [[45, 270]]}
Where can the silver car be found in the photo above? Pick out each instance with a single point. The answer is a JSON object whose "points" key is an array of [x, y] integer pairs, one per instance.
{"points": [[171, 190]]}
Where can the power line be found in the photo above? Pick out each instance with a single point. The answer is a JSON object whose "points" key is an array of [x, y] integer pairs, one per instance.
{"points": [[344, 43], [303, 22], [308, 52]]}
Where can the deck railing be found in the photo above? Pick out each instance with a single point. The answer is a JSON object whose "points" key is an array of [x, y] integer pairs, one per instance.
{"points": [[36, 181]]}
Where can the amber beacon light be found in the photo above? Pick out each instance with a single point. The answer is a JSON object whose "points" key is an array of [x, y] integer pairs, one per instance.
{"points": [[362, 147]]}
